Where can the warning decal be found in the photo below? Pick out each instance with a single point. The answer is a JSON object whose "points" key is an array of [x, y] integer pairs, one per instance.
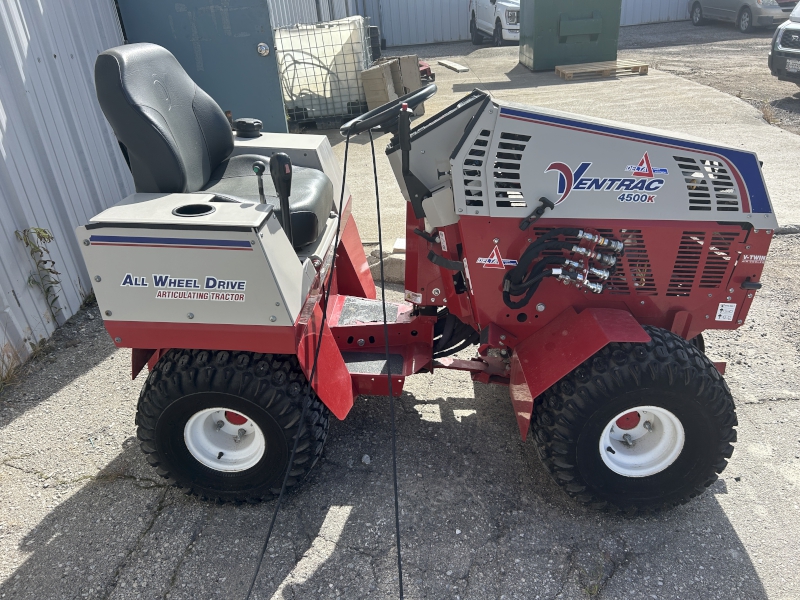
{"points": [[725, 311]]}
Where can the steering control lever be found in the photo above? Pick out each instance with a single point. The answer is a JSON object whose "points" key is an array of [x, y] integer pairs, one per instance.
{"points": [[280, 167], [259, 168]]}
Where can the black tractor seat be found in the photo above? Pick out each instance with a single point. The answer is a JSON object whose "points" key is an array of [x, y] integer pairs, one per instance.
{"points": [[310, 203], [180, 141]]}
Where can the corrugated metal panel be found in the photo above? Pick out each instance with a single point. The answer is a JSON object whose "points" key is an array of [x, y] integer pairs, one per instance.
{"points": [[292, 12], [407, 22], [59, 160], [637, 12]]}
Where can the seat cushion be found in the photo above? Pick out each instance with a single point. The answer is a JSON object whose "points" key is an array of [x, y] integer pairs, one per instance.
{"points": [[310, 203]]}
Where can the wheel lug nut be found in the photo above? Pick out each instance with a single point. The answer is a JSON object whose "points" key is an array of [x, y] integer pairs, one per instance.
{"points": [[220, 424], [648, 425]]}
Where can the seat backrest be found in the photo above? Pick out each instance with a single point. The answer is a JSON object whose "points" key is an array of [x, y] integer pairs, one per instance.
{"points": [[174, 132]]}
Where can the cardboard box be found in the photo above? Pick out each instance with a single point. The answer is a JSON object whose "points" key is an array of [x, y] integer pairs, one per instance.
{"points": [[409, 71], [391, 78], [379, 86]]}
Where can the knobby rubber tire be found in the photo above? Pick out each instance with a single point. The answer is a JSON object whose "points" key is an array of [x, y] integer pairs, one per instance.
{"points": [[668, 372], [267, 388]]}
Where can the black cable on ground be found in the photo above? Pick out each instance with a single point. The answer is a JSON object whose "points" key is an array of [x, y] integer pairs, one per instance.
{"points": [[326, 292], [388, 369]]}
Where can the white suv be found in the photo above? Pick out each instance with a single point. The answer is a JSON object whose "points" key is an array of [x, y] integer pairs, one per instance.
{"points": [[495, 19]]}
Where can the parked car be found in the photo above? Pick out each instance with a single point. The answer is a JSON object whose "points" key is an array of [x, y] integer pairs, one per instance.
{"points": [[784, 52], [747, 14], [497, 20]]}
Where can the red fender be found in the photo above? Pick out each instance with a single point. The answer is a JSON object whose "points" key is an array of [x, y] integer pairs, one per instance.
{"points": [[332, 381], [560, 346]]}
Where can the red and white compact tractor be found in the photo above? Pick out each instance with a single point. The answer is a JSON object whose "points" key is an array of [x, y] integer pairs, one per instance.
{"points": [[581, 258]]}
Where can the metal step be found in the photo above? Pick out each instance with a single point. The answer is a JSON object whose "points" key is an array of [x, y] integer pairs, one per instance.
{"points": [[361, 310], [373, 363]]}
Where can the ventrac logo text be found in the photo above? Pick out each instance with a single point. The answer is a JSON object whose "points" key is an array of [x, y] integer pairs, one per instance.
{"points": [[644, 180]]}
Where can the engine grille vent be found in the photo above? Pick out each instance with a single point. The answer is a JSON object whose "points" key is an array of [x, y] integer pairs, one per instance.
{"points": [[703, 260], [709, 184], [473, 168], [634, 273], [687, 260], [718, 259], [506, 170]]}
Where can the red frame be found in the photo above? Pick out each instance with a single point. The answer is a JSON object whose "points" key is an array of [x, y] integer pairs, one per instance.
{"points": [[542, 345]]}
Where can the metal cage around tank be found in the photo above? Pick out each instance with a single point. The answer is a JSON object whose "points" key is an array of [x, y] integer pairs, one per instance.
{"points": [[320, 69]]}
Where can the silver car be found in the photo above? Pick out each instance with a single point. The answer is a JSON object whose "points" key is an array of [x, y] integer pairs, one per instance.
{"points": [[747, 14]]}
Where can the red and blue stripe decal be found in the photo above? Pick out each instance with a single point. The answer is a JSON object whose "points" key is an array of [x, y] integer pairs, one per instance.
{"points": [[743, 165], [159, 242]]}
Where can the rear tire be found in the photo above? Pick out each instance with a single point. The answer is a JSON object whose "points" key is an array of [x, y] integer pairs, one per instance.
{"points": [[697, 15], [194, 405], [674, 394], [744, 22], [475, 35], [497, 36]]}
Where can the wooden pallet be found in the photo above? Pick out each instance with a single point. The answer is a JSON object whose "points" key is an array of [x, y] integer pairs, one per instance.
{"points": [[602, 69]]}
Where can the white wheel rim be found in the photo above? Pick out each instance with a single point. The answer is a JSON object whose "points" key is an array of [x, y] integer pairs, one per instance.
{"points": [[222, 445], [647, 448]]}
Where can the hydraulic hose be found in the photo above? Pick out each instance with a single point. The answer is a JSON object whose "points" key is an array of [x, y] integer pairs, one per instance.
{"points": [[517, 289]]}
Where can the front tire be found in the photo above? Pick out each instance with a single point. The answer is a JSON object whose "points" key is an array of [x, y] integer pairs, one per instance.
{"points": [[666, 397], [497, 36], [222, 425], [697, 15], [744, 21]]}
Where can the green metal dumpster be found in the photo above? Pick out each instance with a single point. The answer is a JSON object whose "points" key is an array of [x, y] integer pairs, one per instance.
{"points": [[567, 32]]}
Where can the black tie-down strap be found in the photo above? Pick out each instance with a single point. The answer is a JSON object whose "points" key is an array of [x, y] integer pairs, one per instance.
{"points": [[445, 263]]}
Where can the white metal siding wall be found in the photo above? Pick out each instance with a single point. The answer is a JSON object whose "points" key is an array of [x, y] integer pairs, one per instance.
{"points": [[60, 163], [291, 12], [402, 22], [408, 22], [636, 12]]}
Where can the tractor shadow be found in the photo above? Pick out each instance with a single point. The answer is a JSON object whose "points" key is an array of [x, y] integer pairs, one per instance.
{"points": [[480, 518]]}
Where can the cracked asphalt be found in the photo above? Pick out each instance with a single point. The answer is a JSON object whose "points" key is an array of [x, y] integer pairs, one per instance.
{"points": [[83, 516]]}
